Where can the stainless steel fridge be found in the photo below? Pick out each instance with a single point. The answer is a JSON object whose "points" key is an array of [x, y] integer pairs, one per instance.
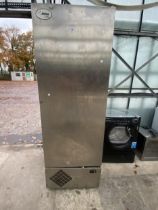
{"points": [[73, 46]]}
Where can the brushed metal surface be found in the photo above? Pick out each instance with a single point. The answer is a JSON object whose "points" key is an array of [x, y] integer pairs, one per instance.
{"points": [[148, 145], [80, 178], [73, 53], [155, 121]]}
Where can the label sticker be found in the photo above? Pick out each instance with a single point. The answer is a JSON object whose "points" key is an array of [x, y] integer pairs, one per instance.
{"points": [[43, 14], [134, 145], [27, 74]]}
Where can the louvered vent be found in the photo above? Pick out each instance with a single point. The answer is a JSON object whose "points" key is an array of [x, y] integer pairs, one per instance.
{"points": [[61, 178]]}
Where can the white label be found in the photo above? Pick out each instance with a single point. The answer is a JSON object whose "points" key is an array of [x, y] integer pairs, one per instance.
{"points": [[43, 14]]}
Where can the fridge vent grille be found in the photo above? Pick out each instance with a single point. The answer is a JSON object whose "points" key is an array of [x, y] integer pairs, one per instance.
{"points": [[61, 178]]}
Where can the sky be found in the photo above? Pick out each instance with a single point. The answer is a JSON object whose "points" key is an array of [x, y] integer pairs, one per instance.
{"points": [[23, 24]]}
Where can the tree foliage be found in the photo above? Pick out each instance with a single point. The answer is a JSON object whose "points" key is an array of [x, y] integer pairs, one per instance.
{"points": [[1, 39], [16, 49]]}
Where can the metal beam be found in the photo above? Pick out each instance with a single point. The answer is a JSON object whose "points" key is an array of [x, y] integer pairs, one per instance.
{"points": [[134, 88], [14, 5], [120, 32], [131, 69], [49, 1], [134, 95], [6, 4], [66, 2], [137, 70], [136, 55], [15, 14]]}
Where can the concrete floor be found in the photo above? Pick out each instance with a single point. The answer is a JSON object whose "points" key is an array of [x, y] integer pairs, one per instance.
{"points": [[122, 187], [20, 113]]}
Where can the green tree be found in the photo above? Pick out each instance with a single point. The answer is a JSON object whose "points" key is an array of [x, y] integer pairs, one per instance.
{"points": [[17, 48], [25, 49]]}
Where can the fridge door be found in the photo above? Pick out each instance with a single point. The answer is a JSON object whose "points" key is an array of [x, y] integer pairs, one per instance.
{"points": [[73, 47]]}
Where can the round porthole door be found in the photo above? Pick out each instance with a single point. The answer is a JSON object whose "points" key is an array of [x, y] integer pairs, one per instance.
{"points": [[119, 137]]}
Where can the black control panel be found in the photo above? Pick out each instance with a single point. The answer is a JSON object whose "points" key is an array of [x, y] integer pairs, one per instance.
{"points": [[124, 121]]}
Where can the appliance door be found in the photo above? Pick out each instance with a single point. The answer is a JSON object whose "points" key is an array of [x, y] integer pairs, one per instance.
{"points": [[73, 47], [118, 137]]}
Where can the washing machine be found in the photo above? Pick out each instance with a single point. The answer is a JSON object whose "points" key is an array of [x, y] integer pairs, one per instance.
{"points": [[120, 138]]}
